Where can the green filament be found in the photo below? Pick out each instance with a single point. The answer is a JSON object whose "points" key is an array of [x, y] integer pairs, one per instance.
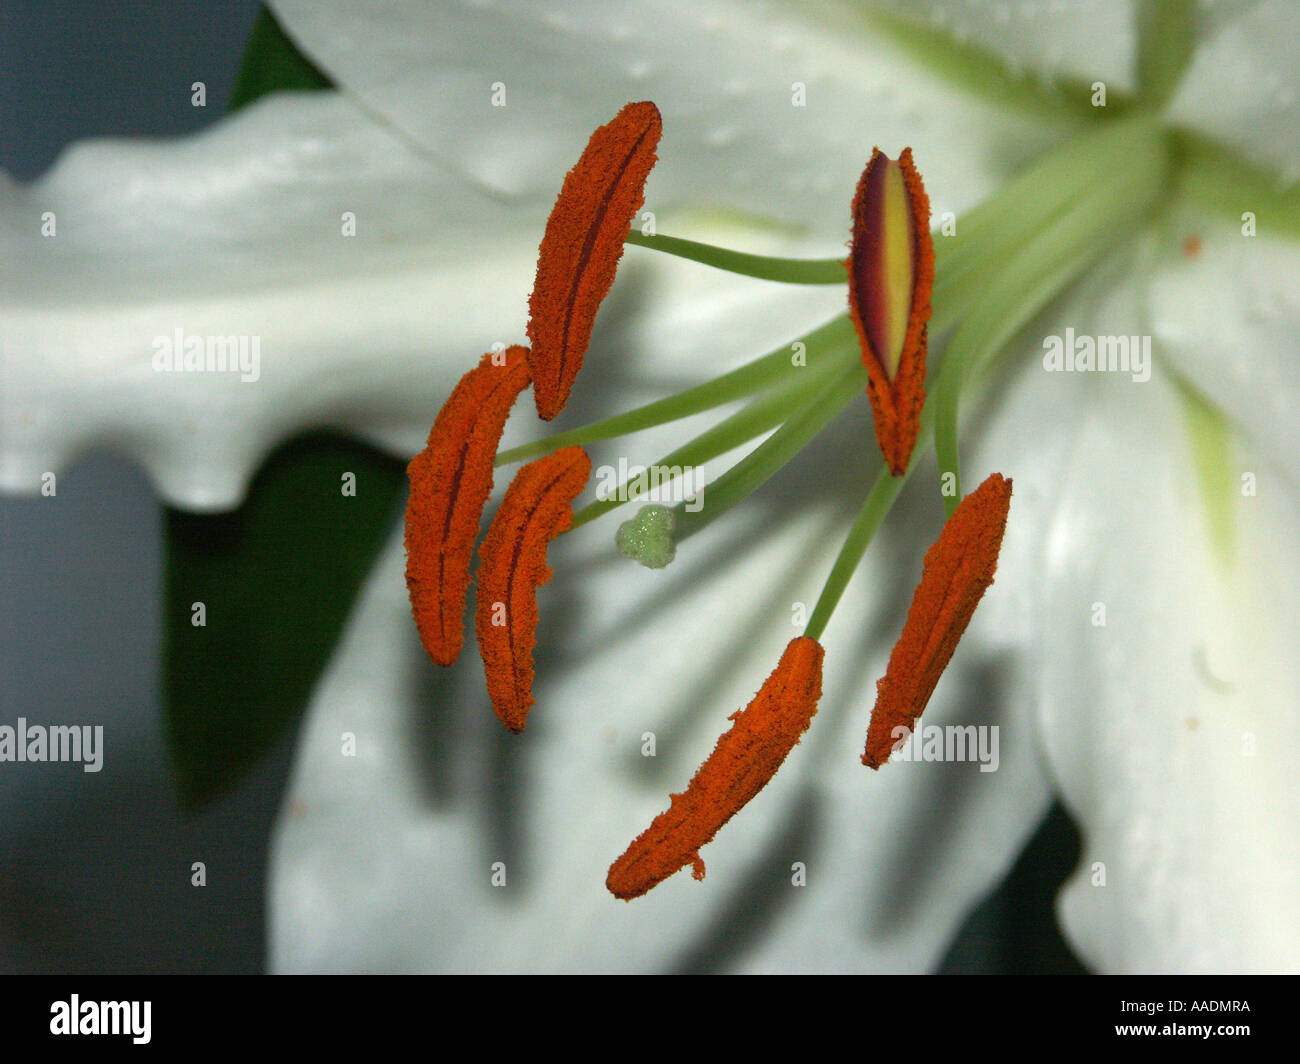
{"points": [[1033, 278], [776, 368], [763, 267]]}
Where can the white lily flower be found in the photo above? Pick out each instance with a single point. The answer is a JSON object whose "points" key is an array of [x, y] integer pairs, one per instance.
{"points": [[1167, 728]]}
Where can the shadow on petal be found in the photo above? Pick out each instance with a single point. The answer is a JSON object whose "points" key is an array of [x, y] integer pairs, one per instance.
{"points": [[755, 905], [916, 847]]}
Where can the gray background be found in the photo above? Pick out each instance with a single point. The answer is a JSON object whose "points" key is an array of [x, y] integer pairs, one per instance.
{"points": [[95, 868]]}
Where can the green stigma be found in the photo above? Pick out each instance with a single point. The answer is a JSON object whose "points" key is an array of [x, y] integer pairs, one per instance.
{"points": [[648, 537]]}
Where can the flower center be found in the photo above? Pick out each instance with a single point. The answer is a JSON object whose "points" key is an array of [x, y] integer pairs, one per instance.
{"points": [[984, 280]]}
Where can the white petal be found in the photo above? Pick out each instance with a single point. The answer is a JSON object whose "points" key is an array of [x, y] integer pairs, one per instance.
{"points": [[1171, 728], [723, 73], [1026, 426], [1228, 316], [1243, 86], [1084, 40], [1143, 741], [238, 232]]}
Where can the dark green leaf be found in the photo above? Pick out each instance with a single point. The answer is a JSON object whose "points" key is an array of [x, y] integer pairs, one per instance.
{"points": [[272, 63], [277, 579]]}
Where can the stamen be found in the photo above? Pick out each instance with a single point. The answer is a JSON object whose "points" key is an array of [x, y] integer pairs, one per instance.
{"points": [[891, 274], [536, 509], [1039, 234], [744, 760], [451, 480], [582, 245], [958, 569]]}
